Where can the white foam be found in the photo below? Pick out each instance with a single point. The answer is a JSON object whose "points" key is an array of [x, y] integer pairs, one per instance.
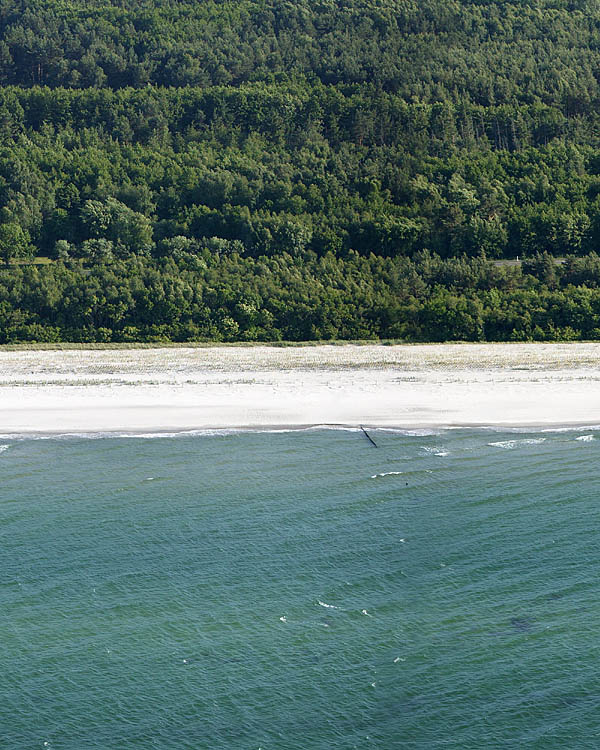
{"points": [[329, 606], [527, 430], [364, 612], [387, 474], [340, 427], [581, 438], [425, 432], [508, 444], [283, 619], [4, 448], [512, 444], [436, 450], [139, 435], [236, 431], [178, 433], [572, 428]]}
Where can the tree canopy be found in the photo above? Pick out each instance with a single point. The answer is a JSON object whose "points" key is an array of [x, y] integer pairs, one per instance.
{"points": [[156, 134]]}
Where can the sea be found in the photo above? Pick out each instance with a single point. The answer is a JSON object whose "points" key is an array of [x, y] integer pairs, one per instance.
{"points": [[300, 590]]}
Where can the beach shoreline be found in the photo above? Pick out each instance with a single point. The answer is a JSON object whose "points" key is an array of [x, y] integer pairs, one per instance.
{"points": [[405, 387]]}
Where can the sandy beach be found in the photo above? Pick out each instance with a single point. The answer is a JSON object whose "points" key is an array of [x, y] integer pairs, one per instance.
{"points": [[176, 389]]}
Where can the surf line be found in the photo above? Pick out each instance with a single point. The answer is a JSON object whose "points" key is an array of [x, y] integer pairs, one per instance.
{"points": [[369, 438]]}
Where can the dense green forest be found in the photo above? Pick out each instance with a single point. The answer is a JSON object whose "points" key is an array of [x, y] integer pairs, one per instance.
{"points": [[202, 296], [258, 170]]}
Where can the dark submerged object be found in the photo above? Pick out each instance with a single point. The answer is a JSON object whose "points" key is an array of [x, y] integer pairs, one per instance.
{"points": [[522, 624], [369, 438]]}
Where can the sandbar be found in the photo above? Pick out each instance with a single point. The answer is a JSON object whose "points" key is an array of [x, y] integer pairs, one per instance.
{"points": [[265, 387]]}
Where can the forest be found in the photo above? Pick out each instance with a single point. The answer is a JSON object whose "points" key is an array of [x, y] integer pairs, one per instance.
{"points": [[251, 170]]}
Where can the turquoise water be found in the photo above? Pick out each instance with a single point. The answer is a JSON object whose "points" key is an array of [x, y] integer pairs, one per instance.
{"points": [[300, 590]]}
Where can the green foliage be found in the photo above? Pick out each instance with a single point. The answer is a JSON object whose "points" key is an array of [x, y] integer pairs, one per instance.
{"points": [[113, 222], [248, 171], [229, 298], [14, 243], [212, 164], [489, 53]]}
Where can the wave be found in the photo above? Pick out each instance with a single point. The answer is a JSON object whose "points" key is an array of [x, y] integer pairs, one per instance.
{"points": [[212, 431], [386, 474], [4, 448], [549, 429], [439, 451], [435, 450], [329, 606], [512, 444], [154, 435], [102, 435], [421, 432], [524, 429], [585, 438]]}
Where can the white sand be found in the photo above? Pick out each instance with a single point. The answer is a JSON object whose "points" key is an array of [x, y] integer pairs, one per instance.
{"points": [[152, 390]]}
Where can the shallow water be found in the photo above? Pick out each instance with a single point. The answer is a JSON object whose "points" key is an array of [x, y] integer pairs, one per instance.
{"points": [[300, 590]]}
